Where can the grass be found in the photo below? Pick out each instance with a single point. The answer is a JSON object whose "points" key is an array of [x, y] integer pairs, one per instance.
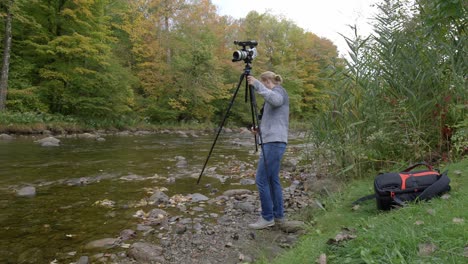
{"points": [[397, 236], [35, 123]]}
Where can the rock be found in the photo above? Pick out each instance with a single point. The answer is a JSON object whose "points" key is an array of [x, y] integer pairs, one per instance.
{"points": [[131, 177], [102, 243], [182, 134], [171, 180], [146, 253], [78, 181], [87, 135], [127, 234], [289, 165], [28, 191], [5, 137], [180, 229], [198, 209], [292, 226], [50, 144], [83, 260], [157, 213], [426, 249], [247, 182], [245, 206], [141, 227], [197, 197], [236, 192], [182, 163], [51, 140], [159, 198]]}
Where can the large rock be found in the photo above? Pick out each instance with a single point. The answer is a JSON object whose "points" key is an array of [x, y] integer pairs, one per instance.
{"points": [[292, 226], [5, 137], [235, 192], [102, 243], [157, 213], [146, 253], [245, 206], [49, 142], [197, 197], [28, 191], [87, 135], [159, 197]]}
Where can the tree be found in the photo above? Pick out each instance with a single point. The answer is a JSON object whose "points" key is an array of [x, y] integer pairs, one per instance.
{"points": [[81, 76], [6, 6]]}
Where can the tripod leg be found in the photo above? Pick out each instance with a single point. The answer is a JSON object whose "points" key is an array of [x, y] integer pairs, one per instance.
{"points": [[253, 109], [221, 125], [255, 116]]}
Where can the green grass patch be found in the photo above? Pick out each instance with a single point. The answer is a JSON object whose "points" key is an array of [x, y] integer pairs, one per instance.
{"points": [[427, 232], [34, 123]]}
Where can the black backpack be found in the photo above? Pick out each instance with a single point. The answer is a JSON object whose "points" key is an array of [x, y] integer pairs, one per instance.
{"points": [[393, 189]]}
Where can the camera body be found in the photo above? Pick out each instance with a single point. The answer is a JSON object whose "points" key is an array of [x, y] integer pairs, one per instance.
{"points": [[247, 53]]}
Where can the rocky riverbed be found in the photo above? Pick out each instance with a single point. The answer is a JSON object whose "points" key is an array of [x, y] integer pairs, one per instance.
{"points": [[197, 228], [194, 235]]}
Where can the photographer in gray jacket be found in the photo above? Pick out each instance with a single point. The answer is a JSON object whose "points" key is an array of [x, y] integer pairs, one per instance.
{"points": [[274, 138]]}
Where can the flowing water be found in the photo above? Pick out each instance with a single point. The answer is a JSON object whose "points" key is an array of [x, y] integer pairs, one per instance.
{"points": [[71, 179]]}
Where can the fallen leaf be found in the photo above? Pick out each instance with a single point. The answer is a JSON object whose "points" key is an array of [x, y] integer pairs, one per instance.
{"points": [[431, 211], [465, 251], [356, 207], [426, 249], [445, 196], [345, 234], [458, 172], [457, 220], [322, 259], [419, 222]]}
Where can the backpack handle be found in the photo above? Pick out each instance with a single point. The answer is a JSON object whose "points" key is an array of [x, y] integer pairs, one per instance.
{"points": [[418, 164]]}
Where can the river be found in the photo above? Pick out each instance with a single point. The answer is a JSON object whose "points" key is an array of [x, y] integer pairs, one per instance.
{"points": [[74, 180]]}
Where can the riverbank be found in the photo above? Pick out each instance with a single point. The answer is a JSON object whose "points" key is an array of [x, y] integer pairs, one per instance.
{"points": [[41, 123]]}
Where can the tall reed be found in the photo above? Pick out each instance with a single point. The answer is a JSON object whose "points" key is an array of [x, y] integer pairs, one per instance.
{"points": [[402, 95]]}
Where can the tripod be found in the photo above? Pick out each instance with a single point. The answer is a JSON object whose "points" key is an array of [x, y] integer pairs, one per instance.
{"points": [[249, 93]]}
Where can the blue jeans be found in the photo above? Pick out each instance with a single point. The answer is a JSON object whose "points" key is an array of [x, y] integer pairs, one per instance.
{"points": [[268, 182]]}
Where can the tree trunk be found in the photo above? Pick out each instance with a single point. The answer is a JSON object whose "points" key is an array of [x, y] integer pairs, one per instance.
{"points": [[6, 56], [168, 50]]}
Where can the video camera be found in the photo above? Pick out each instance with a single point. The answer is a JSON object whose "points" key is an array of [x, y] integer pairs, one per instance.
{"points": [[247, 53]]}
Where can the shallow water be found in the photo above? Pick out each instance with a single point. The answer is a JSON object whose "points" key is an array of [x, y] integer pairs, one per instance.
{"points": [[63, 215]]}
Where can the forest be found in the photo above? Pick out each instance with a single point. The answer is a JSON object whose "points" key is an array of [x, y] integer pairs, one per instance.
{"points": [[157, 60], [399, 94]]}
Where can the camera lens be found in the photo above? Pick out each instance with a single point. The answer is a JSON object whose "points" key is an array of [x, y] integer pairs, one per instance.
{"points": [[239, 55]]}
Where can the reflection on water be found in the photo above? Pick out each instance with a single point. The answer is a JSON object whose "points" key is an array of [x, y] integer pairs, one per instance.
{"points": [[62, 217]]}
